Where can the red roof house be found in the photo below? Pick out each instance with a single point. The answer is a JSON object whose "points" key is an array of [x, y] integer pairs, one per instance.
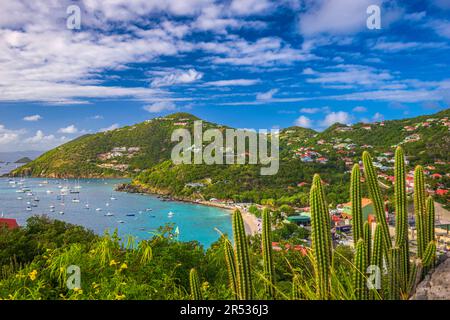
{"points": [[9, 223]]}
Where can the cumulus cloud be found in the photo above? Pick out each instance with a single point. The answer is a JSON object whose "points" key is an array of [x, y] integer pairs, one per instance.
{"points": [[32, 118], [69, 129], [304, 122], [336, 117], [160, 106], [177, 77]]}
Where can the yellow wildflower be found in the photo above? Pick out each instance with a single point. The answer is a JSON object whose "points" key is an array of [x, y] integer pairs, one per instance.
{"points": [[123, 266], [78, 290], [120, 296], [33, 275], [113, 262]]}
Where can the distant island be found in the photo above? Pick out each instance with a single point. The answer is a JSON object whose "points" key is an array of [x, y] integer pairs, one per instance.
{"points": [[24, 160]]}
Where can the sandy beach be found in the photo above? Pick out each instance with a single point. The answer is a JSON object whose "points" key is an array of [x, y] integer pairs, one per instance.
{"points": [[252, 223]]}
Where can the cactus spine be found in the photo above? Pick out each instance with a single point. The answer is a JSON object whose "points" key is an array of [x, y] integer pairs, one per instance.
{"points": [[269, 271], [419, 210], [321, 239], [231, 267], [355, 194], [375, 195], [359, 279], [401, 214], [242, 258], [196, 293]]}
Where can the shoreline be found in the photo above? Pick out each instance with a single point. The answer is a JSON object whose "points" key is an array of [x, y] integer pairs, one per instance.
{"points": [[252, 224]]}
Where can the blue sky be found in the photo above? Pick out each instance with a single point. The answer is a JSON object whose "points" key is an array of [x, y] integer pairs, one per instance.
{"points": [[244, 63]]}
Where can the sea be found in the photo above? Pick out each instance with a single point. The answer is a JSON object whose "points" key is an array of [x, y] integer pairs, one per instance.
{"points": [[94, 204]]}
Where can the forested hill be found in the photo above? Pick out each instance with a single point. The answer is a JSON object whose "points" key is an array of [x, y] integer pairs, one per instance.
{"points": [[116, 153]]}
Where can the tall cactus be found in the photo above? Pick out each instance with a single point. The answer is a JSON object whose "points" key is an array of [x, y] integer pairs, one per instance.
{"points": [[360, 263], [401, 214], [375, 195], [377, 256], [245, 289], [430, 218], [419, 210], [196, 292], [231, 267], [395, 274], [355, 195], [269, 270], [321, 239]]}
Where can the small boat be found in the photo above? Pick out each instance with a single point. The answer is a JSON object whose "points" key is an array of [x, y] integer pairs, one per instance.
{"points": [[86, 206], [98, 209], [170, 214], [20, 191], [36, 199], [149, 209], [107, 204], [28, 209], [52, 210], [34, 205], [130, 214], [113, 198], [75, 200], [109, 214], [19, 198], [52, 207], [61, 212], [120, 221], [49, 191], [30, 194]]}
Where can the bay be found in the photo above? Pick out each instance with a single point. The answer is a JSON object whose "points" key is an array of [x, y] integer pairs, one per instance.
{"points": [[99, 208]]}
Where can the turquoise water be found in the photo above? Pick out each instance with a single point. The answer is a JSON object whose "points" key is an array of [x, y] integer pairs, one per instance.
{"points": [[129, 213]]}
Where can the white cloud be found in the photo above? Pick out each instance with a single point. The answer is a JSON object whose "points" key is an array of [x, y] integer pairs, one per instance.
{"points": [[315, 110], [247, 7], [233, 82], [335, 16], [110, 128], [96, 117], [359, 109], [378, 117], [160, 106], [266, 95], [304, 122], [178, 77], [32, 118], [396, 46], [351, 75], [69, 129], [336, 117]]}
